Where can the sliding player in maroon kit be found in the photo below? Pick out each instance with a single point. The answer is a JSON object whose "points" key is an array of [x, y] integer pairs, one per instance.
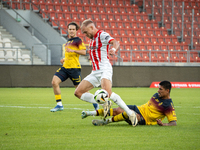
{"points": [[153, 112]]}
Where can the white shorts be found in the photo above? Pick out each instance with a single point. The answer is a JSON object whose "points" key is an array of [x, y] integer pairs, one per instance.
{"points": [[95, 76]]}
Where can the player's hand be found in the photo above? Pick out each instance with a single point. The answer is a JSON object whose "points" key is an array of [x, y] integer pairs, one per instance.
{"points": [[112, 51], [62, 61], [159, 122], [69, 50]]}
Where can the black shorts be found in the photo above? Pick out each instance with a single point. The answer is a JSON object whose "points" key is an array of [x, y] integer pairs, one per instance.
{"points": [[134, 108], [74, 74]]}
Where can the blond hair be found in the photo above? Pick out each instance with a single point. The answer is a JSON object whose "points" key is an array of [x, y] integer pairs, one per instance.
{"points": [[85, 23]]}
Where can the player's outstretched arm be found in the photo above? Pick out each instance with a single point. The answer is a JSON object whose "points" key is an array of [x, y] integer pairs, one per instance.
{"points": [[160, 123]]}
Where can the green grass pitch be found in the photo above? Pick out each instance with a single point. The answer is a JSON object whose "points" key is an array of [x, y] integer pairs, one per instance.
{"points": [[26, 122]]}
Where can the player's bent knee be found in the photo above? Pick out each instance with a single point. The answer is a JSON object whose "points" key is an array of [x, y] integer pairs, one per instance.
{"points": [[77, 93], [54, 83]]}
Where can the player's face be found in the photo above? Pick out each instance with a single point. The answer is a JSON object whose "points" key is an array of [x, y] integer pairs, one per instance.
{"points": [[72, 31], [163, 93], [87, 31]]}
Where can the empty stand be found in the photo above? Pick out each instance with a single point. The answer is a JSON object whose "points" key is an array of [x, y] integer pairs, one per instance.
{"points": [[124, 21]]}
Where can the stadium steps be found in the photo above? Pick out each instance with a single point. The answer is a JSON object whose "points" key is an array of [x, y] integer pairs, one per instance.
{"points": [[17, 44]]}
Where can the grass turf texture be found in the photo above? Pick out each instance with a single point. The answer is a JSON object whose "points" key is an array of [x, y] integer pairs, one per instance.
{"points": [[27, 123]]}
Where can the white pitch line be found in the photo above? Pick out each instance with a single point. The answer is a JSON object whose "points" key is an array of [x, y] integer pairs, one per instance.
{"points": [[37, 107]]}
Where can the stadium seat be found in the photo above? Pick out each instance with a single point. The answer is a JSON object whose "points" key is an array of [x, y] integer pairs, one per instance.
{"points": [[100, 2], [99, 25], [174, 57], [149, 47], [93, 10], [118, 39], [93, 2], [9, 54], [194, 56], [127, 47], [113, 25], [125, 55], [124, 17], [67, 16], [142, 47], [63, 2], [2, 54], [115, 33], [96, 17], [115, 10], [129, 33], [125, 41], [182, 56], [117, 17], [123, 33], [110, 17], [78, 2]]}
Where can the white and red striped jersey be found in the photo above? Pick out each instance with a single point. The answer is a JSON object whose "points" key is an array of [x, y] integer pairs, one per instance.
{"points": [[98, 51]]}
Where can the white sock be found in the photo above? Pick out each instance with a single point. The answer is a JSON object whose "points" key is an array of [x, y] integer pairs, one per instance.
{"points": [[117, 99], [110, 120], [91, 113], [59, 103], [88, 97]]}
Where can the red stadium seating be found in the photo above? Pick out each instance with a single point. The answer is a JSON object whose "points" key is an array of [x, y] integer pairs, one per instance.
{"points": [[128, 25]]}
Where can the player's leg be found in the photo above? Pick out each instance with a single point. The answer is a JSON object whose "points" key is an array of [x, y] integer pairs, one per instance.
{"points": [[75, 76], [99, 112], [82, 91], [60, 76], [120, 117], [86, 85], [106, 84], [56, 88]]}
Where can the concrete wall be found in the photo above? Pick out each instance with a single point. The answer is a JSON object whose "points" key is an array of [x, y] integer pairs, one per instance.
{"points": [[141, 76]]}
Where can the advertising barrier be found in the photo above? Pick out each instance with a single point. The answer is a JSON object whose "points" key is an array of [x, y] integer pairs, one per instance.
{"points": [[178, 84]]}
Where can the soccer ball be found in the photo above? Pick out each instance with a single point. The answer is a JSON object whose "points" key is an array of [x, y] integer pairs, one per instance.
{"points": [[101, 96]]}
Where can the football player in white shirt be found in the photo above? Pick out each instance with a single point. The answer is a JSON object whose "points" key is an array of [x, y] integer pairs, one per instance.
{"points": [[102, 71]]}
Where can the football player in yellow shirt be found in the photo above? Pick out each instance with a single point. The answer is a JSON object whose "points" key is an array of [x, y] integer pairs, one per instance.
{"points": [[153, 112], [71, 67]]}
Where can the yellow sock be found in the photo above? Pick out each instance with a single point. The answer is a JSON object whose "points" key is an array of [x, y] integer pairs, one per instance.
{"points": [[101, 113], [111, 112], [58, 97], [58, 100], [120, 117]]}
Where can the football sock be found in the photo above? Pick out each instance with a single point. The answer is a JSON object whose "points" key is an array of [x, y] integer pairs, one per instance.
{"points": [[88, 97], [58, 100], [91, 113], [117, 99], [120, 117], [100, 112]]}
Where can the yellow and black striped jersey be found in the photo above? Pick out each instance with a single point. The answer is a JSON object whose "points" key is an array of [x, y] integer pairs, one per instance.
{"points": [[72, 58], [157, 108]]}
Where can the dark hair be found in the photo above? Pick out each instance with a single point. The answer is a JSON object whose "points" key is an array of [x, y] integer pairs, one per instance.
{"points": [[75, 24], [166, 85]]}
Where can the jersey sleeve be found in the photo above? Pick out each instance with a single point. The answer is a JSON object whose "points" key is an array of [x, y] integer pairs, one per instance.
{"points": [[106, 38], [81, 45], [170, 113]]}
